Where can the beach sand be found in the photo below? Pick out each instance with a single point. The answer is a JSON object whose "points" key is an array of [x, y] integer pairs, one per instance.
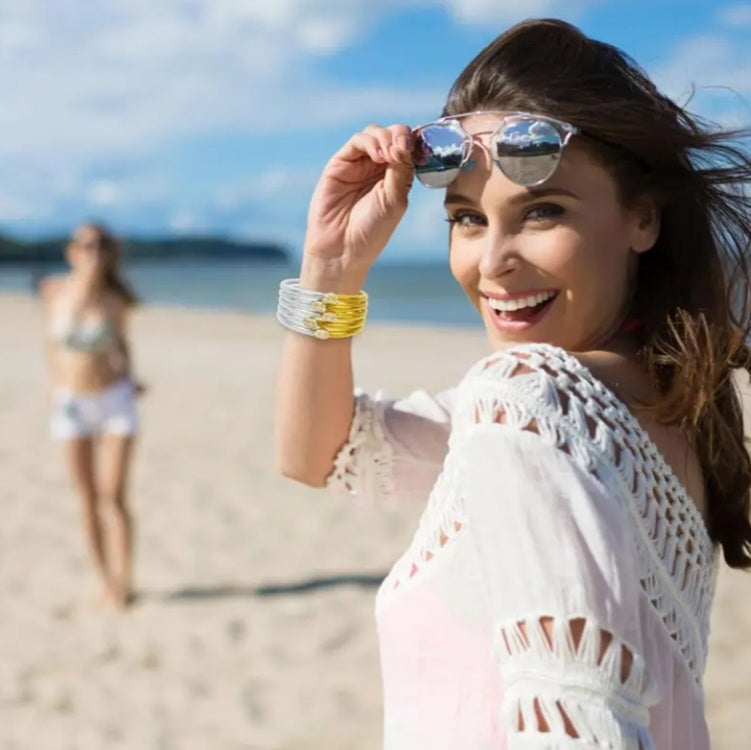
{"points": [[254, 626]]}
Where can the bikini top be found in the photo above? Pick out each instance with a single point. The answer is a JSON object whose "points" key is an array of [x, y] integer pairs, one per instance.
{"points": [[96, 336]]}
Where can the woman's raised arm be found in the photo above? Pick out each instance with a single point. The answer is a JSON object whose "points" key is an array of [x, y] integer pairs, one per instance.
{"points": [[357, 204]]}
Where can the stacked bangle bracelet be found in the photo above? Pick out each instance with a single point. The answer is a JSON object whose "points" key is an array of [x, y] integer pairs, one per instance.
{"points": [[324, 315]]}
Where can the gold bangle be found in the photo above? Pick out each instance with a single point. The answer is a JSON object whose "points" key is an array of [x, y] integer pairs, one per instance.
{"points": [[321, 314]]}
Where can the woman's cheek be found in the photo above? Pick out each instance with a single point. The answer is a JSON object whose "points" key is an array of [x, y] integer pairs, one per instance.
{"points": [[559, 250], [463, 263]]}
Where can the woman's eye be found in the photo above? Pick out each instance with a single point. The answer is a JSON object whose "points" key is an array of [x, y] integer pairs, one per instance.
{"points": [[543, 212], [466, 220]]}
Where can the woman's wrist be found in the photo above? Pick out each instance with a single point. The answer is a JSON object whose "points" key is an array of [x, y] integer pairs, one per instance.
{"points": [[323, 314], [332, 275]]}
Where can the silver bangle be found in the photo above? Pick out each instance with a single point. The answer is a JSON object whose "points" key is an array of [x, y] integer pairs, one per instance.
{"points": [[321, 314]]}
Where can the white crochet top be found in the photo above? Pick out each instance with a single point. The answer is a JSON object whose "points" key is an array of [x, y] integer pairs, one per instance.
{"points": [[557, 592]]}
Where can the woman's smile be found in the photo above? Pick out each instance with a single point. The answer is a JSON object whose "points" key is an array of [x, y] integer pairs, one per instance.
{"points": [[518, 312]]}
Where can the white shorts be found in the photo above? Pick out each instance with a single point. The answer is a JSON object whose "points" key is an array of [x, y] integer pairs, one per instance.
{"points": [[112, 410]]}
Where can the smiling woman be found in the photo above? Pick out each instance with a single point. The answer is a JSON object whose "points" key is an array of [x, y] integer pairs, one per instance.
{"points": [[581, 480], [572, 241]]}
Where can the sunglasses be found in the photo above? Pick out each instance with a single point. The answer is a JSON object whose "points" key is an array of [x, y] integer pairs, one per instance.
{"points": [[527, 148]]}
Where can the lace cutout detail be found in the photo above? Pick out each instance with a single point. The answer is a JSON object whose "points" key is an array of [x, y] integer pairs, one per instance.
{"points": [[573, 686], [443, 517], [364, 466], [543, 389], [439, 525], [573, 411]]}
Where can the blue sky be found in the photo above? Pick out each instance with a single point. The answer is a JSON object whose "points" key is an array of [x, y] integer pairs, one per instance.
{"points": [[216, 116]]}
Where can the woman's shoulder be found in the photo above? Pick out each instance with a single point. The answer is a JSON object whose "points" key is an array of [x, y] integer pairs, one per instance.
{"points": [[594, 405], [551, 389], [51, 282], [48, 287], [516, 365], [589, 373]]}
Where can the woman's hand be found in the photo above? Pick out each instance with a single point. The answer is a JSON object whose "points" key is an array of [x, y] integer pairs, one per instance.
{"points": [[139, 388], [359, 200]]}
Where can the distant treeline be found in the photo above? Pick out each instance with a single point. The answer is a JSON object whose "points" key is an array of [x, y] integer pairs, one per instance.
{"points": [[50, 250]]}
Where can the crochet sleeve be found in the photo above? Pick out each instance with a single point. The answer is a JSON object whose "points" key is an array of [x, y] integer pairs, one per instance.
{"points": [[556, 555], [395, 448]]}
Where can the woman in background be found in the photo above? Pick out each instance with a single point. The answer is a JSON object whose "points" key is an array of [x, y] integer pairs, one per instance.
{"points": [[93, 395]]}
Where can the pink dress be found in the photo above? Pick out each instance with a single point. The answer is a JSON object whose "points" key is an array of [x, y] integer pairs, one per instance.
{"points": [[557, 592]]}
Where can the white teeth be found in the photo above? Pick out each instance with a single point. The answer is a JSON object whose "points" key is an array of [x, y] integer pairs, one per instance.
{"points": [[509, 305]]}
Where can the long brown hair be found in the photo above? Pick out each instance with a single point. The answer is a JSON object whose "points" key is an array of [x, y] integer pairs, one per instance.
{"points": [[113, 274], [693, 287]]}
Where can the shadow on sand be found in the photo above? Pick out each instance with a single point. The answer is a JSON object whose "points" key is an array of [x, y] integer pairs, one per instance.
{"points": [[203, 593]]}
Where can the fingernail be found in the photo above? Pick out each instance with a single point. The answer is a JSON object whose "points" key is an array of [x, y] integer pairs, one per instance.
{"points": [[405, 142]]}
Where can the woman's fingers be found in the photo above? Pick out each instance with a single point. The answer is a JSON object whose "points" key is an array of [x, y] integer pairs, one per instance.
{"points": [[395, 140], [401, 143], [359, 145], [382, 145], [398, 182], [362, 195], [390, 147]]}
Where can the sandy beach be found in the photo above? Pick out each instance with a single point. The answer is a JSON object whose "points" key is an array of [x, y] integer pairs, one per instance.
{"points": [[253, 628]]}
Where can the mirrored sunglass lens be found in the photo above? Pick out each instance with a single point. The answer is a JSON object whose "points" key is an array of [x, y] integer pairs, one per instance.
{"points": [[527, 150], [438, 155]]}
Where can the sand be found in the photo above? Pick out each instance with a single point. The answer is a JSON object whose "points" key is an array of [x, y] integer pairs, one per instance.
{"points": [[254, 625]]}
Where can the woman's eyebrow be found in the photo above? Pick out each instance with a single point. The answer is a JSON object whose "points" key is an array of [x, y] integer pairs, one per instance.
{"points": [[456, 198], [529, 195], [535, 193]]}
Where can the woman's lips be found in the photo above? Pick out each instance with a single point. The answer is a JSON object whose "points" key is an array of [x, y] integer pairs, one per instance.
{"points": [[515, 321]]}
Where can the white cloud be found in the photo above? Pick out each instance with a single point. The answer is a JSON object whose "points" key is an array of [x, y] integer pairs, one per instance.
{"points": [[18, 208], [104, 193], [84, 82], [710, 74], [184, 221], [507, 11], [737, 16], [270, 184], [324, 36], [87, 80]]}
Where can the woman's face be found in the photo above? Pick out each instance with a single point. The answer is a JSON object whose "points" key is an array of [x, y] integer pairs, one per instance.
{"points": [[84, 251], [549, 264]]}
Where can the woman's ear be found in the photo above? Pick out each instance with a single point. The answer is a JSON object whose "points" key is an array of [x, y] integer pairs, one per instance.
{"points": [[646, 225]]}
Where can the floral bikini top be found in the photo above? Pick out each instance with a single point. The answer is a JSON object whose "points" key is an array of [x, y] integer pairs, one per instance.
{"points": [[94, 335]]}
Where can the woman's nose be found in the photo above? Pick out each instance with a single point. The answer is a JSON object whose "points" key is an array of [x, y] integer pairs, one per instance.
{"points": [[498, 257]]}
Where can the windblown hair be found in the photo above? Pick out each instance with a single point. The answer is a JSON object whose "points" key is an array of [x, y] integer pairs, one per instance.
{"points": [[113, 274], [693, 288]]}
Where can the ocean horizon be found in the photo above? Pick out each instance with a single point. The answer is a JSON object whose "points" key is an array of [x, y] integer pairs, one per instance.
{"points": [[422, 293]]}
